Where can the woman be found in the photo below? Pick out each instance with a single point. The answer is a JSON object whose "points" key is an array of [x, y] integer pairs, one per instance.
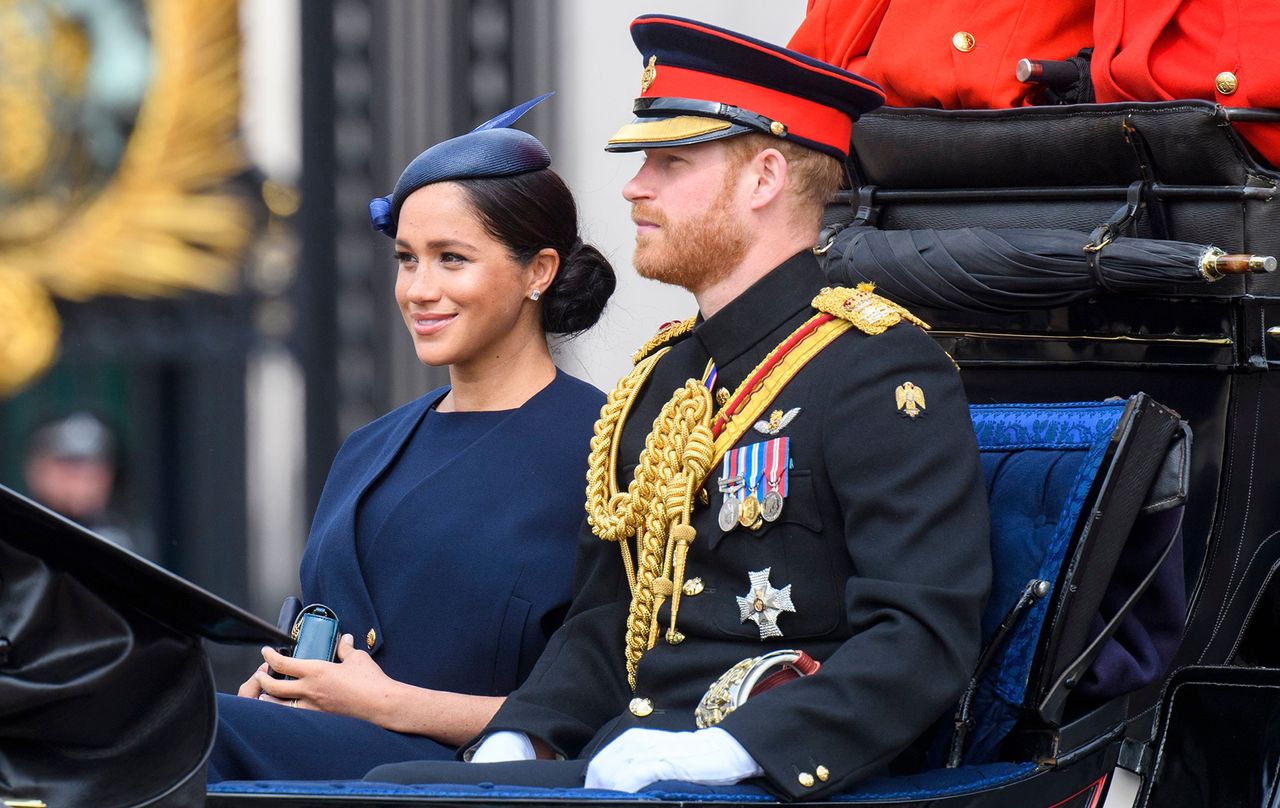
{"points": [[444, 537]]}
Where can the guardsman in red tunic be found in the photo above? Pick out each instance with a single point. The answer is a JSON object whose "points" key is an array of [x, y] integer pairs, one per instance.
{"points": [[1158, 50], [950, 55]]}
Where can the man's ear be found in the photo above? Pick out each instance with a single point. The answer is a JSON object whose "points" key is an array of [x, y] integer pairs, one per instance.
{"points": [[769, 170]]}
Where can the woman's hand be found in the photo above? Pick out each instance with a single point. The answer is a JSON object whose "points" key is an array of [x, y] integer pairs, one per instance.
{"points": [[353, 686], [251, 689]]}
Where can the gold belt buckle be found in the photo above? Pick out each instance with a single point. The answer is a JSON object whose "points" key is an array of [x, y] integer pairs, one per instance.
{"points": [[734, 686]]}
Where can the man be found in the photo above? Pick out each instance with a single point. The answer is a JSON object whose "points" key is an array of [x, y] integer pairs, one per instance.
{"points": [[812, 485]]}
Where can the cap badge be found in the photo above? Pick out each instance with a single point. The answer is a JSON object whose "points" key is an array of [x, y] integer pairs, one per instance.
{"points": [[910, 399], [650, 73], [763, 604]]}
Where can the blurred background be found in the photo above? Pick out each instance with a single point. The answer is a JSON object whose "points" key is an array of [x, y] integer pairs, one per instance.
{"points": [[194, 311]]}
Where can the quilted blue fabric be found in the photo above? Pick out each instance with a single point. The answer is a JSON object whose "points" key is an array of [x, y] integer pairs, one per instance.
{"points": [[1039, 462]]}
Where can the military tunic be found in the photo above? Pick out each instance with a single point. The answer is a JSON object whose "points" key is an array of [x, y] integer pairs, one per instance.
{"points": [[883, 539]]}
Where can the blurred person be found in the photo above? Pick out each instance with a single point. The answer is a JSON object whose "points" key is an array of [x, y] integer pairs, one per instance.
{"points": [[71, 468], [445, 534]]}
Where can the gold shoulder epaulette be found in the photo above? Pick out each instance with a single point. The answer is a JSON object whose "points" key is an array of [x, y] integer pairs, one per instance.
{"points": [[868, 311], [671, 331]]}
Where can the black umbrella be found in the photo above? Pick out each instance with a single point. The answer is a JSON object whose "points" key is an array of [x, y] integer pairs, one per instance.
{"points": [[979, 269]]}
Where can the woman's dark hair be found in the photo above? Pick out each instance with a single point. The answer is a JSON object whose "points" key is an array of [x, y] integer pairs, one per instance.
{"points": [[533, 211]]}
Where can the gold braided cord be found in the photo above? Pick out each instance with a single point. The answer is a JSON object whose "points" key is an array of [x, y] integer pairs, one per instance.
{"points": [[679, 453], [664, 336], [676, 451]]}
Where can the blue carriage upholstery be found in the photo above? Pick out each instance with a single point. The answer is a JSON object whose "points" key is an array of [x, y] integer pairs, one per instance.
{"points": [[1047, 468]]}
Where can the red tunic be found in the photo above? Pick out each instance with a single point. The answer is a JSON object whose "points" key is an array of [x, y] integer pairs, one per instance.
{"points": [[958, 54], [1225, 51]]}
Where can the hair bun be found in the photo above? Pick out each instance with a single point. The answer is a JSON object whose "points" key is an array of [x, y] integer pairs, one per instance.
{"points": [[582, 287]]}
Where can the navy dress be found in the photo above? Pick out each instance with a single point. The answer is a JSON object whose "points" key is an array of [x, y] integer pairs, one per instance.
{"points": [[445, 544]]}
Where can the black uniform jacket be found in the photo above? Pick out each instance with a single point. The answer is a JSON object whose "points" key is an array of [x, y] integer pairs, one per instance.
{"points": [[883, 540]]}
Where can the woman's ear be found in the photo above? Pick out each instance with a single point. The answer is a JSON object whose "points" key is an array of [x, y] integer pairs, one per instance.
{"points": [[542, 270]]}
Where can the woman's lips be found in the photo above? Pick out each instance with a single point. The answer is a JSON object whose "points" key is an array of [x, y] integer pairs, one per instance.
{"points": [[424, 325]]}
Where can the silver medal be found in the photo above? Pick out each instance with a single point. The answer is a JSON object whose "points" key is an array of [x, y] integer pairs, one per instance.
{"points": [[771, 507], [729, 512]]}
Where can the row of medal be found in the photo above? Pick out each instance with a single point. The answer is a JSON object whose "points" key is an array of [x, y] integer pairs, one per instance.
{"points": [[753, 481]]}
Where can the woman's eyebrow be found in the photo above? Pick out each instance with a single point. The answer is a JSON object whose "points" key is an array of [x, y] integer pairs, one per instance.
{"points": [[438, 244]]}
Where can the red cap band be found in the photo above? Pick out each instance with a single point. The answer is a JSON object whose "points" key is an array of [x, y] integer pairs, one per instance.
{"points": [[803, 118]]}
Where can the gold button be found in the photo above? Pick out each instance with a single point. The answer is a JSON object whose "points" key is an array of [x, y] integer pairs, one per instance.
{"points": [[371, 639], [963, 41], [805, 779], [640, 707], [778, 128], [822, 773], [722, 397], [692, 587], [1226, 82]]}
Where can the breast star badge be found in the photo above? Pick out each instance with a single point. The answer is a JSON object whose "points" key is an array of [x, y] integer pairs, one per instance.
{"points": [[777, 422], [763, 604], [910, 399]]}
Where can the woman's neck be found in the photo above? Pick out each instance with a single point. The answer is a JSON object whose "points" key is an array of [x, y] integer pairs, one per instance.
{"points": [[499, 382]]}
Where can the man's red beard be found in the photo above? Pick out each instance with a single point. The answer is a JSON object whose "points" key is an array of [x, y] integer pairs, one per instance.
{"points": [[696, 253]]}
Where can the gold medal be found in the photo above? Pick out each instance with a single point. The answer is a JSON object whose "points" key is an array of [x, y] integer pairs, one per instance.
{"points": [[750, 511]]}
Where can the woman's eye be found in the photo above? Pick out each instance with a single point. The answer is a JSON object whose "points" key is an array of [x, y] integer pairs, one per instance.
{"points": [[405, 258], [451, 258]]}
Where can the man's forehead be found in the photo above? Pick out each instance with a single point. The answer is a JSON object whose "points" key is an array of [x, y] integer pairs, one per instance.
{"points": [[711, 150]]}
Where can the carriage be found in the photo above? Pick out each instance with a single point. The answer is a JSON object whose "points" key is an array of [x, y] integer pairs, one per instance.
{"points": [[1130, 655]]}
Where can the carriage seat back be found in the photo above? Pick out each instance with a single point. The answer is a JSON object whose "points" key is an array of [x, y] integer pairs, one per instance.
{"points": [[1074, 530]]}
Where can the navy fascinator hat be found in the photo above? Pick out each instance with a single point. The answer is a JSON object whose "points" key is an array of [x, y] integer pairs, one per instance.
{"points": [[492, 149]]}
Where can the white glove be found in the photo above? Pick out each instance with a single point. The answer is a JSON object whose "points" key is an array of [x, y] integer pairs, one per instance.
{"points": [[640, 757], [503, 746]]}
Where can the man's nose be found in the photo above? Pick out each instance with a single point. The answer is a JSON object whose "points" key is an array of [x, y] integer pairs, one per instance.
{"points": [[637, 188]]}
